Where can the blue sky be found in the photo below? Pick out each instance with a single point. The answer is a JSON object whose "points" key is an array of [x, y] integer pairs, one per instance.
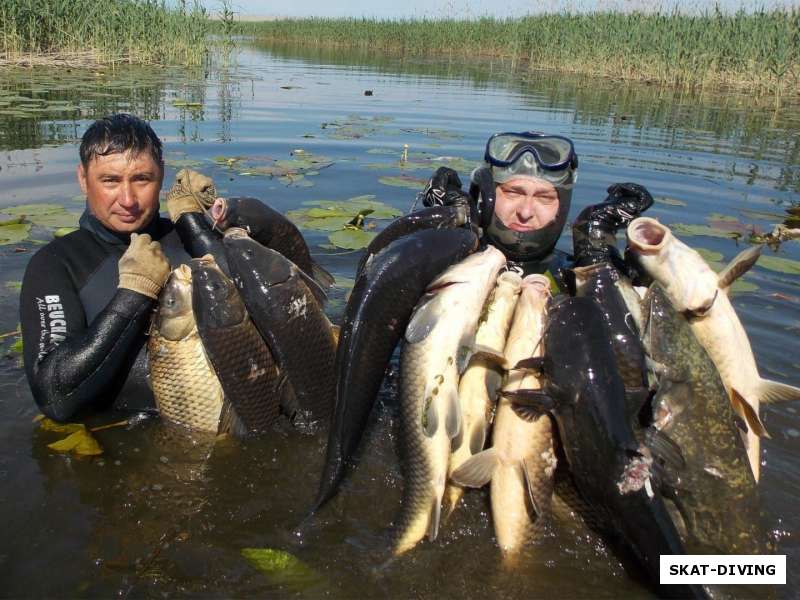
{"points": [[466, 8]]}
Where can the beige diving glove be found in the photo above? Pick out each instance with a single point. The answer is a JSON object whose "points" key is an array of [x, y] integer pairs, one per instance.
{"points": [[143, 268], [192, 192]]}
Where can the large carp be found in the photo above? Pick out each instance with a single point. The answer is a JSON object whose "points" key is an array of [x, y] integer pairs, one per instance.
{"points": [[285, 305], [583, 390], [439, 341], [269, 228], [697, 291], [477, 389], [715, 491], [376, 316], [243, 363], [434, 217], [521, 461], [186, 388]]}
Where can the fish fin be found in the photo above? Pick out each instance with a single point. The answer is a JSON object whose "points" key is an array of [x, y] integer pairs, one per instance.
{"points": [[321, 276], [774, 391], [663, 447], [490, 355], [430, 417], [535, 363], [320, 295], [478, 438], [435, 518], [229, 421], [423, 320], [477, 470], [453, 421], [740, 265], [529, 404], [748, 413], [537, 503]]}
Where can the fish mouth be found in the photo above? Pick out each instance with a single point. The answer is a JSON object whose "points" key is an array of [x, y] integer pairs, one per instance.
{"points": [[647, 236], [539, 283], [218, 211]]}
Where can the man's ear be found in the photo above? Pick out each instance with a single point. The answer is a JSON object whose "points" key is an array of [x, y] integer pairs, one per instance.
{"points": [[81, 173]]}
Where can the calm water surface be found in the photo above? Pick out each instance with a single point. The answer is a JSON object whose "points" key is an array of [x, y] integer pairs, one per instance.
{"points": [[155, 517]]}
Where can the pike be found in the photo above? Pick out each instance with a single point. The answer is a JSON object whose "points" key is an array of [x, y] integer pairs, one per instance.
{"points": [[702, 295], [439, 340], [521, 462]]}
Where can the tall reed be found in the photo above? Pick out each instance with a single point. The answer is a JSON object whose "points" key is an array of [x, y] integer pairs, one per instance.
{"points": [[758, 51], [133, 31]]}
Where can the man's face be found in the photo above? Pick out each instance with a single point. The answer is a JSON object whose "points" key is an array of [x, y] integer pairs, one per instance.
{"points": [[122, 190], [525, 204]]}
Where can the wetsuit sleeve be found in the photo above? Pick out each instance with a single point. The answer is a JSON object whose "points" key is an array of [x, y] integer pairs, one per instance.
{"points": [[71, 365], [198, 238]]}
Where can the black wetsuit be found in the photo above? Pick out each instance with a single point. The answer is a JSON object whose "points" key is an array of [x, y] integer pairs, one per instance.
{"points": [[83, 338]]}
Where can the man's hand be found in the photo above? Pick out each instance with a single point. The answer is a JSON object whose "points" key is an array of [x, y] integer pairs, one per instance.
{"points": [[192, 192], [443, 189], [143, 268], [630, 201]]}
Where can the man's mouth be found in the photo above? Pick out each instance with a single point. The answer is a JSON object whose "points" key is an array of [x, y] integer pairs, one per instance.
{"points": [[522, 228], [127, 218]]}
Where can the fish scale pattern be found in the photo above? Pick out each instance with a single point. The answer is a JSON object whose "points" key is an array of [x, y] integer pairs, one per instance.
{"points": [[419, 467], [186, 389], [248, 373]]}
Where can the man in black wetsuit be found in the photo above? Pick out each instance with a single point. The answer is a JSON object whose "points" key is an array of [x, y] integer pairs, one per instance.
{"points": [[521, 197], [87, 297]]}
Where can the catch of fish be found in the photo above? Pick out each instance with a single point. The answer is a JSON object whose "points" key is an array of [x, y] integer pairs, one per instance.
{"points": [[645, 399]]}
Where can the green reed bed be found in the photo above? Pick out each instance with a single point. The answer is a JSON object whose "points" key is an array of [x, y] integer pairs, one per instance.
{"points": [[102, 31], [760, 51]]}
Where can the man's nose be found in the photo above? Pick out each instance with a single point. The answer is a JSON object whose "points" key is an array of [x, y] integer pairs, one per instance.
{"points": [[127, 198], [526, 210]]}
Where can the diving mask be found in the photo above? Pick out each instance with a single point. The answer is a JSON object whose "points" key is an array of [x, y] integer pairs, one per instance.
{"points": [[548, 157]]}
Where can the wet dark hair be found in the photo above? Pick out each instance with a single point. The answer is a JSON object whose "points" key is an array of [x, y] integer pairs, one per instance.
{"points": [[119, 133]]}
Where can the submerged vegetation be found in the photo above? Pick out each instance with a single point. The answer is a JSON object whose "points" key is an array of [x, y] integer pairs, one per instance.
{"points": [[758, 51], [81, 32]]}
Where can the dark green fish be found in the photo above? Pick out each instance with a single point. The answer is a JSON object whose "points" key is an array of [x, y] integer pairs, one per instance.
{"points": [[243, 363], [715, 492], [269, 228], [286, 306], [377, 313], [434, 217], [611, 469]]}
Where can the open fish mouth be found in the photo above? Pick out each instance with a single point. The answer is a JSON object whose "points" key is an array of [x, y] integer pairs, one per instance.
{"points": [[647, 236]]}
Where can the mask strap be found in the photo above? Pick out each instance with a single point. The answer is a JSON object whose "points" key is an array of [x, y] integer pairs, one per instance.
{"points": [[483, 188]]}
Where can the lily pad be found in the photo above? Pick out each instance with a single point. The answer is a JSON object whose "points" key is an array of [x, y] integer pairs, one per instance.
{"points": [[779, 264], [281, 567], [16, 347], [351, 238], [669, 201], [32, 210], [689, 230], [80, 442], [344, 282], [56, 220], [404, 181], [710, 256], [183, 163], [14, 233], [14, 285], [62, 231]]}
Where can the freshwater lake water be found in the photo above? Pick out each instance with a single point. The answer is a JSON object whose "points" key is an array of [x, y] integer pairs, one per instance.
{"points": [[153, 517]]}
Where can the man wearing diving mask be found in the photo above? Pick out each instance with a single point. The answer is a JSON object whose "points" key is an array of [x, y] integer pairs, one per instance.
{"points": [[521, 196]]}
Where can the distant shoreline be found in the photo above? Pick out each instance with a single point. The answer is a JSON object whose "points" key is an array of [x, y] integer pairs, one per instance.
{"points": [[758, 52]]}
